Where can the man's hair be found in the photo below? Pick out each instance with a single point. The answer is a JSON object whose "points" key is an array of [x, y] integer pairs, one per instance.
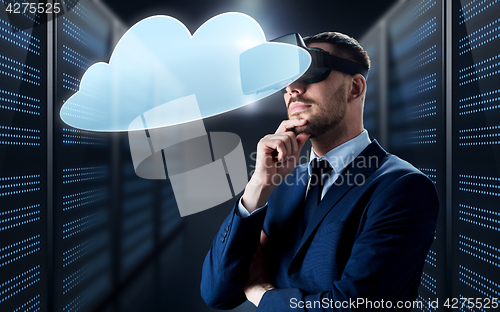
{"points": [[345, 46]]}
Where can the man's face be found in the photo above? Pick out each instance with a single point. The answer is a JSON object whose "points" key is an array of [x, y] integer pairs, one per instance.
{"points": [[323, 104]]}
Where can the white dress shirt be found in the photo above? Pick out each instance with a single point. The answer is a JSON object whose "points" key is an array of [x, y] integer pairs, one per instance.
{"points": [[338, 158]]}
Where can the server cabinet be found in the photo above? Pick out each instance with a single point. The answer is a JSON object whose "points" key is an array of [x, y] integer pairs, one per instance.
{"points": [[416, 114], [138, 206], [374, 107], [82, 171], [476, 152], [23, 160]]}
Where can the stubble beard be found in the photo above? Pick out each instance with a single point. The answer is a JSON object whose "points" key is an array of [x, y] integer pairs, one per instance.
{"points": [[325, 119]]}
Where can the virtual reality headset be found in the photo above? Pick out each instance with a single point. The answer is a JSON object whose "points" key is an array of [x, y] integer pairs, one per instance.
{"points": [[322, 62], [269, 67]]}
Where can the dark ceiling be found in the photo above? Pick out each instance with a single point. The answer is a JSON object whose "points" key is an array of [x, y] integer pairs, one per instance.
{"points": [[277, 17]]}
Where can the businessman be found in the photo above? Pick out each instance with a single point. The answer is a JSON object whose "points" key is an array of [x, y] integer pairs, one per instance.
{"points": [[350, 230]]}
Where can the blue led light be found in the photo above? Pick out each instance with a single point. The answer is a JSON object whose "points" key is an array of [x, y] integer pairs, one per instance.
{"points": [[88, 246], [27, 280], [19, 31], [480, 37], [99, 285], [475, 10], [422, 110], [478, 282], [424, 84], [83, 201], [422, 59], [472, 135], [82, 224], [23, 185], [75, 32], [27, 214], [26, 42], [12, 100], [477, 182], [84, 174], [475, 71], [74, 138], [431, 173], [33, 302], [482, 214], [85, 272], [24, 137], [428, 282], [480, 252], [420, 9], [425, 136], [431, 258], [80, 10], [408, 18], [15, 38], [480, 99], [424, 31], [17, 254]]}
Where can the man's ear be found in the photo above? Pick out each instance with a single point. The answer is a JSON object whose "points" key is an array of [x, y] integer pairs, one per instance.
{"points": [[357, 87]]}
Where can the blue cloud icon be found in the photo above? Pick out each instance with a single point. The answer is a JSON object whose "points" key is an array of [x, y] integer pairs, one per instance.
{"points": [[226, 64]]}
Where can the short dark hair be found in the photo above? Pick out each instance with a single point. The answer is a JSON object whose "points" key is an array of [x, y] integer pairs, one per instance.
{"points": [[346, 46]]}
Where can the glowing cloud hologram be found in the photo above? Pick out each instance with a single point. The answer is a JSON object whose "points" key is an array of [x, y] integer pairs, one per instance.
{"points": [[161, 82], [227, 63]]}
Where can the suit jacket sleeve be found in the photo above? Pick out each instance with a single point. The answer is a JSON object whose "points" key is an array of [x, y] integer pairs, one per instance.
{"points": [[388, 253], [226, 265]]}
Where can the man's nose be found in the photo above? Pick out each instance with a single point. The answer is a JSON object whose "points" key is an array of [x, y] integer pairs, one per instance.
{"points": [[295, 88]]}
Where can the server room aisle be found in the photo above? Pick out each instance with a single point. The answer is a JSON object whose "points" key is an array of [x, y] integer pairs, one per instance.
{"points": [[171, 281]]}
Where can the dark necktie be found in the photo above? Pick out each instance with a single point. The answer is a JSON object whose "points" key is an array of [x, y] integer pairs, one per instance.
{"points": [[315, 188]]}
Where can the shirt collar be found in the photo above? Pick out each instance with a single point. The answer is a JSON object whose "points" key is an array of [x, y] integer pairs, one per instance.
{"points": [[344, 154]]}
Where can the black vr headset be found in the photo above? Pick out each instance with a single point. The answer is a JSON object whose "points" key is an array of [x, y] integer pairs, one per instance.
{"points": [[322, 62]]}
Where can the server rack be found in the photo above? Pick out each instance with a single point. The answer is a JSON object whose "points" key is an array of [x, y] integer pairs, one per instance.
{"points": [[443, 116], [50, 260], [62, 224], [416, 115], [475, 52], [412, 109], [23, 140], [376, 79], [82, 169]]}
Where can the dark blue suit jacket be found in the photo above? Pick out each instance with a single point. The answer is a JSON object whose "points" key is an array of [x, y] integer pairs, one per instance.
{"points": [[368, 239]]}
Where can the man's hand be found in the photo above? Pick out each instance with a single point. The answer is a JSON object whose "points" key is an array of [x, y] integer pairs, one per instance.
{"points": [[277, 156], [258, 275]]}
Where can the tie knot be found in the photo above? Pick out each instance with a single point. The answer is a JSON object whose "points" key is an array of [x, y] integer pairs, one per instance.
{"points": [[319, 167]]}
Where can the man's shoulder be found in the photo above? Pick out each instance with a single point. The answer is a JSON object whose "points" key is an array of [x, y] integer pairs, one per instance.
{"points": [[385, 165], [395, 173], [395, 167]]}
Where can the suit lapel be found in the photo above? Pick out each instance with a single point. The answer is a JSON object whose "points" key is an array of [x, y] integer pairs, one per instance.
{"points": [[292, 197], [295, 196], [361, 168]]}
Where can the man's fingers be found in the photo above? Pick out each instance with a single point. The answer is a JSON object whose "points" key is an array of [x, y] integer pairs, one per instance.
{"points": [[293, 141], [284, 143], [301, 140], [288, 146], [290, 124]]}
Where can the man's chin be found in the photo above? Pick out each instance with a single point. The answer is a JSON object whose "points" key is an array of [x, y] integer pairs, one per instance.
{"points": [[301, 129]]}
